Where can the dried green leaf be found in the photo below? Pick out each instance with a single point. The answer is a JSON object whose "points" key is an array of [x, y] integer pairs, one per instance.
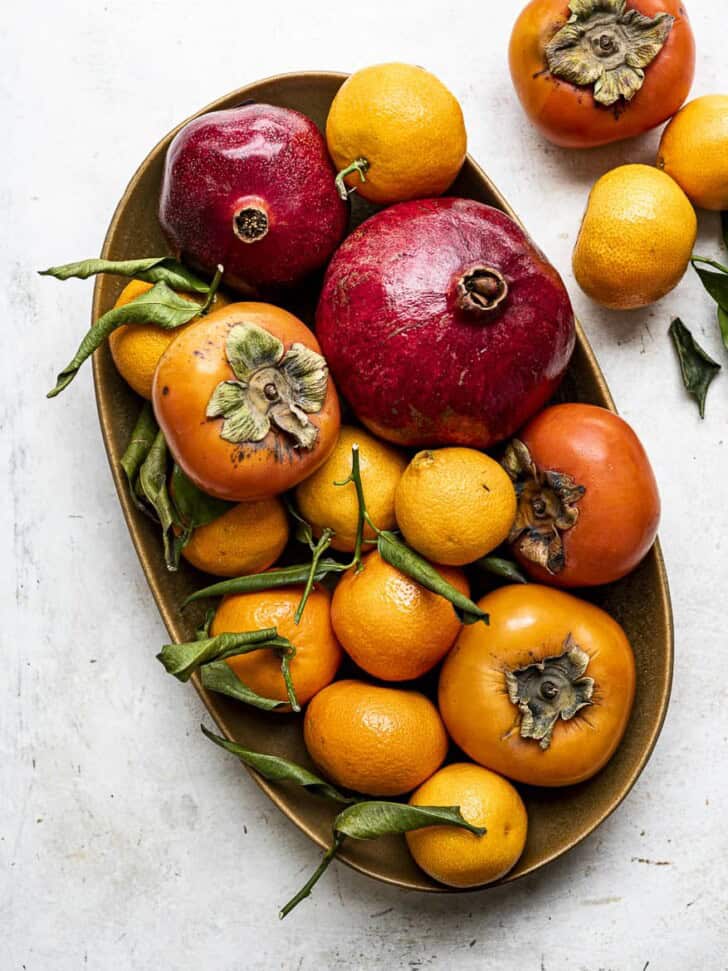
{"points": [[723, 325], [368, 820], [156, 269], [698, 368], [153, 487], [220, 677], [182, 660], [281, 577], [142, 438], [194, 507], [159, 306], [276, 769], [500, 567], [396, 553], [715, 283]]}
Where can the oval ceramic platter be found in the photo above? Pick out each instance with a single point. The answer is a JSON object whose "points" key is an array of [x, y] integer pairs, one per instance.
{"points": [[558, 818]]}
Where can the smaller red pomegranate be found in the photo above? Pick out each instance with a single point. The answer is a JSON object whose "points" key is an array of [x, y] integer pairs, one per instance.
{"points": [[252, 188], [442, 323]]}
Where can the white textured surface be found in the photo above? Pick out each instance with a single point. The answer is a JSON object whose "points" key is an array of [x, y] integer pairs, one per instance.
{"points": [[122, 840]]}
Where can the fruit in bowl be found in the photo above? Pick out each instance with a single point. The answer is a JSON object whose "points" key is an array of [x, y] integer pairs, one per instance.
{"points": [[444, 324], [266, 208]]}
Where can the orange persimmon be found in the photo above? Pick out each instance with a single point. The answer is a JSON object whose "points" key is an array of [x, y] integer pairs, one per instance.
{"points": [[588, 505], [544, 693], [591, 72], [246, 403]]}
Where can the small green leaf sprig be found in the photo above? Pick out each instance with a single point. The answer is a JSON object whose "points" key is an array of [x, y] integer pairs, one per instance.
{"points": [[390, 548], [362, 819], [208, 655], [160, 305], [697, 368], [179, 510]]}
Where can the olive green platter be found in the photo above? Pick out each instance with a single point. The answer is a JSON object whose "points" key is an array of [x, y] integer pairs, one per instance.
{"points": [[558, 818]]}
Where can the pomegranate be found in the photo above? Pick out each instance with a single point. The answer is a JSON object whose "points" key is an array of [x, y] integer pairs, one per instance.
{"points": [[252, 188], [443, 323]]}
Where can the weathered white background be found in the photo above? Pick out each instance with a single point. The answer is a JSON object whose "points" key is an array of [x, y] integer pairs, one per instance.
{"points": [[122, 840]]}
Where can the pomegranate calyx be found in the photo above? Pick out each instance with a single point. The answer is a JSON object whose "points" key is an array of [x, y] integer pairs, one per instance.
{"points": [[547, 507], [607, 45], [270, 386], [481, 290], [550, 689], [250, 222]]}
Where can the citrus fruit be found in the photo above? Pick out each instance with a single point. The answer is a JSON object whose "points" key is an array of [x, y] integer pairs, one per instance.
{"points": [[246, 539], [318, 654], [694, 151], [322, 503], [636, 238], [380, 741], [390, 625], [454, 505], [403, 129], [453, 855], [137, 348]]}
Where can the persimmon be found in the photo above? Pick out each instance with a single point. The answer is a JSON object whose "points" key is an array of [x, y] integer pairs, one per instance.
{"points": [[245, 402], [588, 505], [590, 72], [544, 693]]}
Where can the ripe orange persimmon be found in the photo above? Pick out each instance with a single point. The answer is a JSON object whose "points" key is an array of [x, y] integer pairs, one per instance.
{"points": [[588, 506], [597, 71], [544, 693], [245, 402]]}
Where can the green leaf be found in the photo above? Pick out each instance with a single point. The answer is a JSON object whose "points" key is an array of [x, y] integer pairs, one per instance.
{"points": [[368, 820], [159, 306], [142, 438], [715, 283], [500, 567], [156, 269], [194, 507], [304, 532], [220, 677], [182, 660], [203, 631], [153, 486], [276, 769], [394, 552], [724, 226], [268, 581], [698, 369], [723, 324]]}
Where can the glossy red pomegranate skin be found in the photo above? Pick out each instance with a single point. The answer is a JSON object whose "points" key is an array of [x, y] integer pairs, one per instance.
{"points": [[416, 367], [261, 160]]}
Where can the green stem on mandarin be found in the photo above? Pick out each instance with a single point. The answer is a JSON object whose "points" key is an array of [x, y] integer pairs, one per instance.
{"points": [[306, 889], [219, 270], [364, 517], [318, 551], [359, 165], [286, 654]]}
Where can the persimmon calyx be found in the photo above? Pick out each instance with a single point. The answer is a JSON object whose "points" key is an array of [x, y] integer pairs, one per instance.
{"points": [[550, 689], [270, 387], [606, 44], [547, 507]]}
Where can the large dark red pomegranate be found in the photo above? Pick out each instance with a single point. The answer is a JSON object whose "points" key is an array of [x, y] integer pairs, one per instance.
{"points": [[252, 188], [443, 323]]}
